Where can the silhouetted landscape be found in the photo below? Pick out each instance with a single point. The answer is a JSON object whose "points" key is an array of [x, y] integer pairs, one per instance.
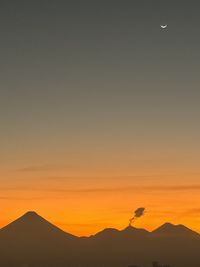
{"points": [[32, 241], [99, 112]]}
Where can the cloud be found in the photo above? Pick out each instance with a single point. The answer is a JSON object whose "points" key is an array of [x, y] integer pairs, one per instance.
{"points": [[20, 198], [193, 211], [101, 190], [128, 188], [46, 167], [121, 189]]}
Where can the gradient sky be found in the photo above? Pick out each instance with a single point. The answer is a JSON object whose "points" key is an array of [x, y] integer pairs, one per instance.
{"points": [[99, 112]]}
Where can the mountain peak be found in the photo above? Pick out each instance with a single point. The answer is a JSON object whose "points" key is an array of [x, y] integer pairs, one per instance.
{"points": [[32, 217], [31, 214], [128, 232], [32, 224], [179, 229], [107, 232], [168, 225], [130, 228], [133, 230]]}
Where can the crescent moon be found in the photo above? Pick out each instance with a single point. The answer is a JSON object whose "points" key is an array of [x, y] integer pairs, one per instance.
{"points": [[163, 26]]}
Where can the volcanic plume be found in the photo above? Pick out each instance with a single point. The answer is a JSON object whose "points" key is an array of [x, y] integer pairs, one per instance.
{"points": [[137, 214]]}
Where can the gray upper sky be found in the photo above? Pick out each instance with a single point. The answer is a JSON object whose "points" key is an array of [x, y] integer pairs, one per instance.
{"points": [[98, 80]]}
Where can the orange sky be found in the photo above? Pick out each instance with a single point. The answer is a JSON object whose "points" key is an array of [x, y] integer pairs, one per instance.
{"points": [[84, 203]]}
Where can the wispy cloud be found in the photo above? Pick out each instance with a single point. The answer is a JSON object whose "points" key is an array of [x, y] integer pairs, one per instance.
{"points": [[21, 198], [173, 188], [128, 188], [193, 211], [46, 167]]}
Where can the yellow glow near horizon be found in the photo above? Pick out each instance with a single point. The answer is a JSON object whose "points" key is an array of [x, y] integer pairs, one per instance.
{"points": [[88, 199], [84, 210]]}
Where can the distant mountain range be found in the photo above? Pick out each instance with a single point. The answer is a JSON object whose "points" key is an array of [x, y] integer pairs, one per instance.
{"points": [[33, 241]]}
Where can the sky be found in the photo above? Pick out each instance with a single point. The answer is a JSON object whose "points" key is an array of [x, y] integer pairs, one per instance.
{"points": [[99, 112]]}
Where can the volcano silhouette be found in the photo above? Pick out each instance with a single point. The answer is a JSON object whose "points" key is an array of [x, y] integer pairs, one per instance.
{"points": [[113, 235], [31, 225], [133, 231], [171, 229], [33, 241]]}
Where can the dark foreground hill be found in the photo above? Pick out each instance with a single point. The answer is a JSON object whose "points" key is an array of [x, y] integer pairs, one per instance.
{"points": [[33, 241]]}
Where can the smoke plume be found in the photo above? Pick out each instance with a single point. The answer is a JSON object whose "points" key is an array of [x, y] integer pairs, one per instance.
{"points": [[137, 214]]}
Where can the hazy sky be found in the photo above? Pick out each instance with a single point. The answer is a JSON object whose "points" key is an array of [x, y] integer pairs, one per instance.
{"points": [[99, 112]]}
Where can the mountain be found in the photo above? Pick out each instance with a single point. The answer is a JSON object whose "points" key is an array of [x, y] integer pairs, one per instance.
{"points": [[31, 238], [106, 233], [32, 225], [117, 247], [33, 241], [132, 231], [171, 229], [128, 232]]}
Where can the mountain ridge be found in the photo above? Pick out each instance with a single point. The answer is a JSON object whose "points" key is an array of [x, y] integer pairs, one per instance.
{"points": [[32, 217], [33, 241], [29, 221], [174, 229]]}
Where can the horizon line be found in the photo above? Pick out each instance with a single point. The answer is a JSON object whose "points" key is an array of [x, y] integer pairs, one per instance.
{"points": [[34, 213]]}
